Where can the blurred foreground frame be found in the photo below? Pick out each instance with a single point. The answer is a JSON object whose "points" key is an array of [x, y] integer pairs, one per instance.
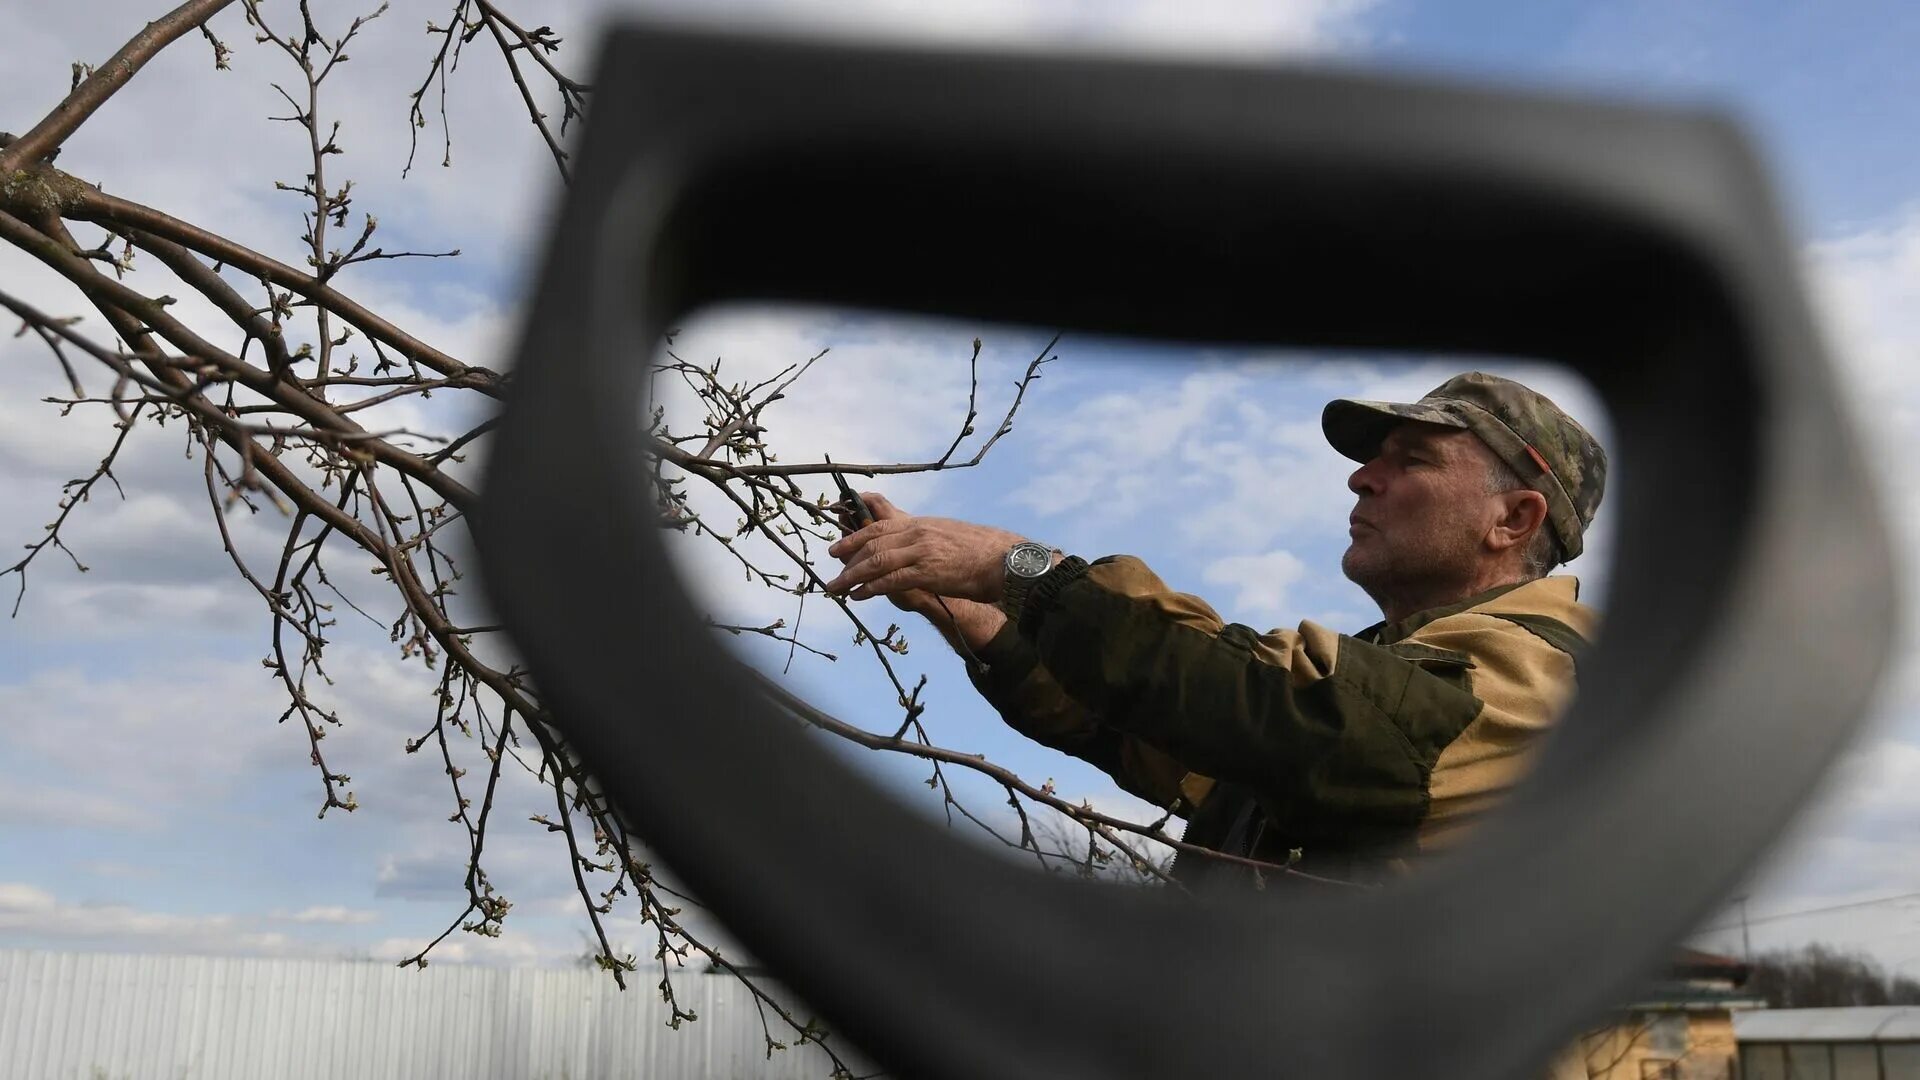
{"points": [[1750, 616]]}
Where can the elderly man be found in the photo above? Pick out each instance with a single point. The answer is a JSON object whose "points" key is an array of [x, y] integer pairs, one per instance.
{"points": [[1359, 751]]}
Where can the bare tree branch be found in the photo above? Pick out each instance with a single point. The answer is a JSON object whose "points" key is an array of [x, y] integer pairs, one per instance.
{"points": [[45, 137]]}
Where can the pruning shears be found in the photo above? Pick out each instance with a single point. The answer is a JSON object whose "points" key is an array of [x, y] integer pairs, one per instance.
{"points": [[856, 506]]}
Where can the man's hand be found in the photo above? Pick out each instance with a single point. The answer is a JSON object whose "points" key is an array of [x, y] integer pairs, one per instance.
{"points": [[917, 601], [900, 554]]}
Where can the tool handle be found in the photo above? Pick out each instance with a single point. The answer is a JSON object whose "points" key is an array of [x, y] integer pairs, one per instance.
{"points": [[855, 504]]}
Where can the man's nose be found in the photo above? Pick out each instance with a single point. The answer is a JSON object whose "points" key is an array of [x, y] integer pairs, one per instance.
{"points": [[1365, 479]]}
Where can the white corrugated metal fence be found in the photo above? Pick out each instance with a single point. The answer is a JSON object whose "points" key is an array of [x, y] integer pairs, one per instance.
{"points": [[96, 1016]]}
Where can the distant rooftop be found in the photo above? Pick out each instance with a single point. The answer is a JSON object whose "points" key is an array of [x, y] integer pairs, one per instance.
{"points": [[1861, 1023], [1693, 963]]}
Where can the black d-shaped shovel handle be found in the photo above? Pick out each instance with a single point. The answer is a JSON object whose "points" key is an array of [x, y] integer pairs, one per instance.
{"points": [[1748, 621]]}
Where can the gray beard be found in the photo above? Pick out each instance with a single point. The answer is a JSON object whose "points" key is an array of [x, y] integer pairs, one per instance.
{"points": [[1398, 581], [1378, 582]]}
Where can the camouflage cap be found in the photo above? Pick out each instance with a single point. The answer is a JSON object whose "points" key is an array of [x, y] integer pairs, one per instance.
{"points": [[1550, 451]]}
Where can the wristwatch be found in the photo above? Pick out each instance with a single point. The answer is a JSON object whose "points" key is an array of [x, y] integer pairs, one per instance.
{"points": [[1026, 563]]}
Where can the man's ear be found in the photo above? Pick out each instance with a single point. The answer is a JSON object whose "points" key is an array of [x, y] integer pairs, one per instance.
{"points": [[1525, 512]]}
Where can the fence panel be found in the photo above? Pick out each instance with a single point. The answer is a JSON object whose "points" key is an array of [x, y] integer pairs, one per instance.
{"points": [[98, 1016]]}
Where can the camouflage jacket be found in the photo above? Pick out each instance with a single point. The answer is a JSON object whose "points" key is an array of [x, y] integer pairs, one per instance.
{"points": [[1361, 750]]}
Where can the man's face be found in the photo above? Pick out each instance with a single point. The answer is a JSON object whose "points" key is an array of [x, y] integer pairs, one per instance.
{"points": [[1423, 511]]}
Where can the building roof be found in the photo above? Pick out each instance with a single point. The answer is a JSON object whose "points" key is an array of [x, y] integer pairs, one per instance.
{"points": [[1860, 1023], [1685, 997], [1695, 964]]}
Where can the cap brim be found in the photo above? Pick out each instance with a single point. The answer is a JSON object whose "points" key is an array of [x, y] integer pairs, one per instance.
{"points": [[1356, 428]]}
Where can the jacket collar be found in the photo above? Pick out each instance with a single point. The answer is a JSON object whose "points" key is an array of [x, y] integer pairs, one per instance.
{"points": [[1548, 594]]}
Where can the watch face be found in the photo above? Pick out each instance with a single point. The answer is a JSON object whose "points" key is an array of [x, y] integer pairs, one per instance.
{"points": [[1029, 560]]}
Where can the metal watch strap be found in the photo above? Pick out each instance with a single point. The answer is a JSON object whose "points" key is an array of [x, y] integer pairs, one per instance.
{"points": [[1016, 587]]}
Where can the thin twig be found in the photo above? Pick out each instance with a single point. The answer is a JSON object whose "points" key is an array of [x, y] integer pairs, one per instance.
{"points": [[45, 137]]}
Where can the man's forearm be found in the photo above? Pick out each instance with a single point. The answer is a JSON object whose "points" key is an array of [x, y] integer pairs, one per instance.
{"points": [[971, 623]]}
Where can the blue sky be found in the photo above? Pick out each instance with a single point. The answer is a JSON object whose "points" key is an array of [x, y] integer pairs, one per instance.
{"points": [[1825, 83], [147, 800]]}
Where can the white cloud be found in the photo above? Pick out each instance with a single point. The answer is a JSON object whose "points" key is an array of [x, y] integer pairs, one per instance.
{"points": [[157, 741], [1868, 288], [1271, 479], [332, 915], [151, 744], [67, 806], [1113, 456], [109, 868], [83, 610], [1247, 28], [431, 876], [1260, 584], [34, 914], [18, 897]]}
